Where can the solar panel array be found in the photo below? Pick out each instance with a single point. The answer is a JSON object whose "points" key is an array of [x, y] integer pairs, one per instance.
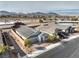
{"points": [[27, 32]]}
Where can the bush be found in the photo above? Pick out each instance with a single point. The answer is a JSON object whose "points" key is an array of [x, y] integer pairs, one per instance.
{"points": [[53, 38], [41, 21], [3, 49], [27, 42]]}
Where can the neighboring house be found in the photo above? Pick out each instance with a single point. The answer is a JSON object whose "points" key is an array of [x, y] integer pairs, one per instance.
{"points": [[73, 23]]}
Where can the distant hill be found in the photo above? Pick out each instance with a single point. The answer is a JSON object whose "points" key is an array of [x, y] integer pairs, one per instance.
{"points": [[41, 14], [6, 13]]}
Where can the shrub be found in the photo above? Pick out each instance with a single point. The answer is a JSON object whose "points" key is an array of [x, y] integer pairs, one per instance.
{"points": [[41, 21], [27, 42], [53, 38], [3, 49]]}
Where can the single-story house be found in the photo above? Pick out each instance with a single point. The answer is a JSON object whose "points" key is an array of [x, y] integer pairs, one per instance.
{"points": [[29, 33]]}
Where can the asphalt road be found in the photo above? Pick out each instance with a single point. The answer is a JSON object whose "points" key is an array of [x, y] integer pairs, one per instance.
{"points": [[66, 50]]}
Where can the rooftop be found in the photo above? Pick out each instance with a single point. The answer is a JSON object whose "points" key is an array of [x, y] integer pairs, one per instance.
{"points": [[47, 27], [26, 31]]}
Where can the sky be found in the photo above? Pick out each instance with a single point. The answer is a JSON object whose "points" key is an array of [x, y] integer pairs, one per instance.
{"points": [[38, 6]]}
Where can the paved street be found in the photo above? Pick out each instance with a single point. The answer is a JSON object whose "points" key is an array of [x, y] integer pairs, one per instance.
{"points": [[66, 50]]}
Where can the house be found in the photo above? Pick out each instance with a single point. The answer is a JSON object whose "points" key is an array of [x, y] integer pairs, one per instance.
{"points": [[25, 33], [28, 33]]}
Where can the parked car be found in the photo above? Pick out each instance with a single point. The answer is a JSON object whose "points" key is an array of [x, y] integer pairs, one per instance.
{"points": [[61, 34], [70, 29]]}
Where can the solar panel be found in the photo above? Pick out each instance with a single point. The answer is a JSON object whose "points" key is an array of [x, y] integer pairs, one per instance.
{"points": [[27, 32]]}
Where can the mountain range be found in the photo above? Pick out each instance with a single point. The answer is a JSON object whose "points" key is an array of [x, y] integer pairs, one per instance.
{"points": [[6, 13]]}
